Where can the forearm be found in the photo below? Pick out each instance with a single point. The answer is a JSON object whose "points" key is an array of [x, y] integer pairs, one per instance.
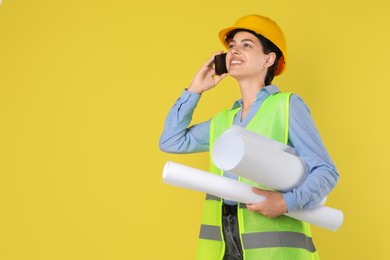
{"points": [[322, 173], [177, 137], [313, 190]]}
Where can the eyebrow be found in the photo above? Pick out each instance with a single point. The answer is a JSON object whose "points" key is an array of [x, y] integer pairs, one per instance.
{"points": [[243, 40]]}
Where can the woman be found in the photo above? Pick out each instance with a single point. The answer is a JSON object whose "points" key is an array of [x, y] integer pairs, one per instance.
{"points": [[256, 53]]}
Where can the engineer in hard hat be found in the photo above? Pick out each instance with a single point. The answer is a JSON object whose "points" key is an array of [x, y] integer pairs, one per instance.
{"points": [[256, 52]]}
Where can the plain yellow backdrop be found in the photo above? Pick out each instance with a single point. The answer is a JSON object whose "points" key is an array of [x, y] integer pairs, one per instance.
{"points": [[85, 86]]}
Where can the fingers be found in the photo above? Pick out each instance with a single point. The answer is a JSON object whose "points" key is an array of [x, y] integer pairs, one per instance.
{"points": [[206, 79], [261, 191], [210, 61], [273, 205], [219, 78], [265, 210]]}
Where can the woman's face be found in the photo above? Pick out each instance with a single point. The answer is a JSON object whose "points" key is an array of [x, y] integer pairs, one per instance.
{"points": [[245, 58]]}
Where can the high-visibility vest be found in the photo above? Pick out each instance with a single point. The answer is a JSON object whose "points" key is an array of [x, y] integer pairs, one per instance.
{"points": [[261, 237]]}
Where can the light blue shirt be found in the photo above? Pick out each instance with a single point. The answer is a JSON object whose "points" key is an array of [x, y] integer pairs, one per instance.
{"points": [[322, 177]]}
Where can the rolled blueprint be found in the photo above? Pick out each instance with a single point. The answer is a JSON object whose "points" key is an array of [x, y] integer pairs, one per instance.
{"points": [[259, 159], [198, 180]]}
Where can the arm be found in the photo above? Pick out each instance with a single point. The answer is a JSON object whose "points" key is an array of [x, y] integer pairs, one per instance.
{"points": [[177, 137], [322, 174]]}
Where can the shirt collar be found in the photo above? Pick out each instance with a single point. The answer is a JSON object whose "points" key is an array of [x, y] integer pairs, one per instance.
{"points": [[264, 92]]}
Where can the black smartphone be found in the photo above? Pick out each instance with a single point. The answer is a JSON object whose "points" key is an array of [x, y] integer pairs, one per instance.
{"points": [[220, 64]]}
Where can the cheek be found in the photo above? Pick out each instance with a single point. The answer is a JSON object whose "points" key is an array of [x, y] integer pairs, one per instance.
{"points": [[254, 62], [228, 56], [259, 61]]}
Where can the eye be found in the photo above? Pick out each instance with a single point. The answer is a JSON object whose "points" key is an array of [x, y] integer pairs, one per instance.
{"points": [[246, 45], [231, 46]]}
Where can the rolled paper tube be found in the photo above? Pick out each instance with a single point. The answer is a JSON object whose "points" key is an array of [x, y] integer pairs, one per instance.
{"points": [[194, 179], [259, 159], [198, 180], [265, 141]]}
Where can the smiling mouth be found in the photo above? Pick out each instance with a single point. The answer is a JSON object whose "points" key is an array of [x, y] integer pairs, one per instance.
{"points": [[235, 62]]}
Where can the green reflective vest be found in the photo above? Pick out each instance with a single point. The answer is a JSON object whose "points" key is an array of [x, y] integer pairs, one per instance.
{"points": [[261, 237]]}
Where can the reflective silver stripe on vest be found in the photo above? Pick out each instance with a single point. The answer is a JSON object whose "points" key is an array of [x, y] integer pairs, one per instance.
{"points": [[210, 232], [212, 197], [277, 239]]}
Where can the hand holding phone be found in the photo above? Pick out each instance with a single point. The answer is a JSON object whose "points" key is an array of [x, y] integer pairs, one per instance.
{"points": [[220, 64]]}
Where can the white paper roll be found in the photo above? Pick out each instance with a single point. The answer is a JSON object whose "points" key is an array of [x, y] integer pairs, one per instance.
{"points": [[259, 159], [265, 141], [194, 179]]}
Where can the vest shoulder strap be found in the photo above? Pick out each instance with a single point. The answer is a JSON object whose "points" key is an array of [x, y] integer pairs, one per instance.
{"points": [[272, 119]]}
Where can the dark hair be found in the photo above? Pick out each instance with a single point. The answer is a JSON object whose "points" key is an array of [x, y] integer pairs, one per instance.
{"points": [[268, 47]]}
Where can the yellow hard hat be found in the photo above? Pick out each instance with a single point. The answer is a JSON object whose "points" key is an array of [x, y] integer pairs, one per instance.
{"points": [[264, 26]]}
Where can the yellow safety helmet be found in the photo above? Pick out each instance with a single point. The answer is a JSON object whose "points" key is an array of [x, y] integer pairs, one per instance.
{"points": [[267, 28]]}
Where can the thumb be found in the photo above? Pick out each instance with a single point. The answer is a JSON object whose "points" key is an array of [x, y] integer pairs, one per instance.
{"points": [[220, 77], [260, 191]]}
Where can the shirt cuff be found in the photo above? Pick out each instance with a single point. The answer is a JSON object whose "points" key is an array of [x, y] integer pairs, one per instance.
{"points": [[190, 96], [290, 200]]}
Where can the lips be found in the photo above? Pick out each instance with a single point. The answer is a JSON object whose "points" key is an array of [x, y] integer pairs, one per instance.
{"points": [[235, 62]]}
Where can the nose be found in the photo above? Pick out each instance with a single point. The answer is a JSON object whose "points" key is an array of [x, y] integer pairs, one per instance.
{"points": [[234, 50]]}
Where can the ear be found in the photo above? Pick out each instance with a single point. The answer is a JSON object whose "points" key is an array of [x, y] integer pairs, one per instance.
{"points": [[270, 60]]}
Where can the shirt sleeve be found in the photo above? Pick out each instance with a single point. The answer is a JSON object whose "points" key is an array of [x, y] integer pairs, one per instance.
{"points": [[177, 137], [322, 173]]}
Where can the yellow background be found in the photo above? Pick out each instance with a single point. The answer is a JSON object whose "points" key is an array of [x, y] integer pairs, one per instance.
{"points": [[85, 86]]}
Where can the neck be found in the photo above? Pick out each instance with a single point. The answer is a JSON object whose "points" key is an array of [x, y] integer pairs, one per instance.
{"points": [[249, 91]]}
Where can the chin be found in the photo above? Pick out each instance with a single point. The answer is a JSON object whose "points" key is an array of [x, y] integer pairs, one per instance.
{"points": [[235, 75]]}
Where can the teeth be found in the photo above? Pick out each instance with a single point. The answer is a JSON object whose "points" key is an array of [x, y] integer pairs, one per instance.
{"points": [[235, 62]]}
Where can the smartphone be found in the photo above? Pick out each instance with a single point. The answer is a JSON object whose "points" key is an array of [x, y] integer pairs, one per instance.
{"points": [[220, 64]]}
